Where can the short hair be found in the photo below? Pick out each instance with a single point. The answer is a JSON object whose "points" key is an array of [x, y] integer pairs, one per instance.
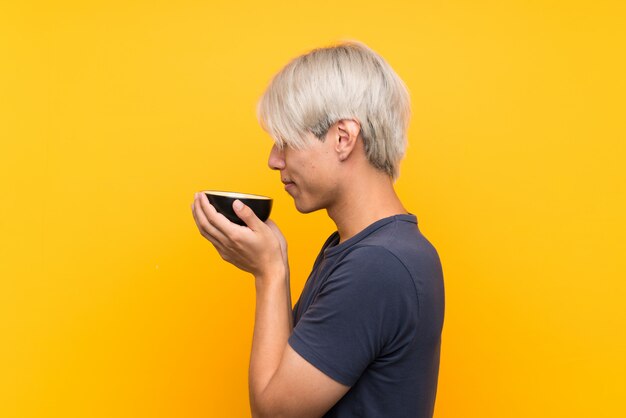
{"points": [[345, 81]]}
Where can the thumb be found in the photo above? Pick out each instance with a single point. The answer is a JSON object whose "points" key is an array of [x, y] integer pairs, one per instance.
{"points": [[246, 214]]}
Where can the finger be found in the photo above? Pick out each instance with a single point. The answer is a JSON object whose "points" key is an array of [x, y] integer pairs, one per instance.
{"points": [[197, 214], [274, 228], [197, 217], [207, 229], [272, 225], [278, 234], [216, 219], [247, 215]]}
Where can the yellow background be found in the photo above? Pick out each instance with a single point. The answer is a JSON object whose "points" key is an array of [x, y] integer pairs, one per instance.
{"points": [[113, 113]]}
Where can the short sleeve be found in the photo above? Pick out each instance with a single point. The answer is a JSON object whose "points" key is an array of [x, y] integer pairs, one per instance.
{"points": [[367, 307]]}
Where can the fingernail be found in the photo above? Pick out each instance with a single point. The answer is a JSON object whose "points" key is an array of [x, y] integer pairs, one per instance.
{"points": [[238, 205], [195, 196]]}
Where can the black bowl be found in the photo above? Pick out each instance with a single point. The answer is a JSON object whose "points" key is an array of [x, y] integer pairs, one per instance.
{"points": [[223, 203]]}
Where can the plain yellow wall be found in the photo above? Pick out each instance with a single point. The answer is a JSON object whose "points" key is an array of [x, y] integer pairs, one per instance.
{"points": [[112, 114]]}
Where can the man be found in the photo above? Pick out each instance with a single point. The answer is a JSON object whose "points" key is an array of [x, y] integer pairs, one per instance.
{"points": [[364, 337]]}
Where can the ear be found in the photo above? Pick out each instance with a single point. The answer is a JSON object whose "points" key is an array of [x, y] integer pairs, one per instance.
{"points": [[348, 131]]}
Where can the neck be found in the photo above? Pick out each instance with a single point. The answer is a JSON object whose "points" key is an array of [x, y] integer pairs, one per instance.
{"points": [[363, 202]]}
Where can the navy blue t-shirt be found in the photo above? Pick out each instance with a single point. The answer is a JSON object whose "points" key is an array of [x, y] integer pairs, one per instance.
{"points": [[370, 317]]}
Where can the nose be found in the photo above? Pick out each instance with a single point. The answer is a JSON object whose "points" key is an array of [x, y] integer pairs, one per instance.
{"points": [[276, 160]]}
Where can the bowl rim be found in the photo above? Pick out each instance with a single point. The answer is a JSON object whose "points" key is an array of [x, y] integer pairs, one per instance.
{"points": [[236, 195]]}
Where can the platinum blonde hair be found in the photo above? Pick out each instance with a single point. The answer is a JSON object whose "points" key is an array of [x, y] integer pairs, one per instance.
{"points": [[345, 81]]}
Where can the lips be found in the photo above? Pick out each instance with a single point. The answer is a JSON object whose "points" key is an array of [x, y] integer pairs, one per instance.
{"points": [[288, 184]]}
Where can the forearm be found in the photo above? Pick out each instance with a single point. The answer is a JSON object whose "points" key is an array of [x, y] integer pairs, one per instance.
{"points": [[272, 327]]}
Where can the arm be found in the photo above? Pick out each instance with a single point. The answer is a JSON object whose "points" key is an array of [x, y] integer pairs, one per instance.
{"points": [[281, 383]]}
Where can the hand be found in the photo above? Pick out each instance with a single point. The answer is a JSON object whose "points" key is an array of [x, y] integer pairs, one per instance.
{"points": [[257, 248], [281, 240]]}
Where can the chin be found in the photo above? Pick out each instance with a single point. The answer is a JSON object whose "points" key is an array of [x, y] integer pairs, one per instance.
{"points": [[304, 208]]}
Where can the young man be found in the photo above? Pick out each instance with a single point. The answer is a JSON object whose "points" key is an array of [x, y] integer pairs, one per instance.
{"points": [[364, 337]]}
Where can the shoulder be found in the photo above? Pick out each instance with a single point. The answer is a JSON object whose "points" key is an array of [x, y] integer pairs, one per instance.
{"points": [[372, 270], [374, 257]]}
